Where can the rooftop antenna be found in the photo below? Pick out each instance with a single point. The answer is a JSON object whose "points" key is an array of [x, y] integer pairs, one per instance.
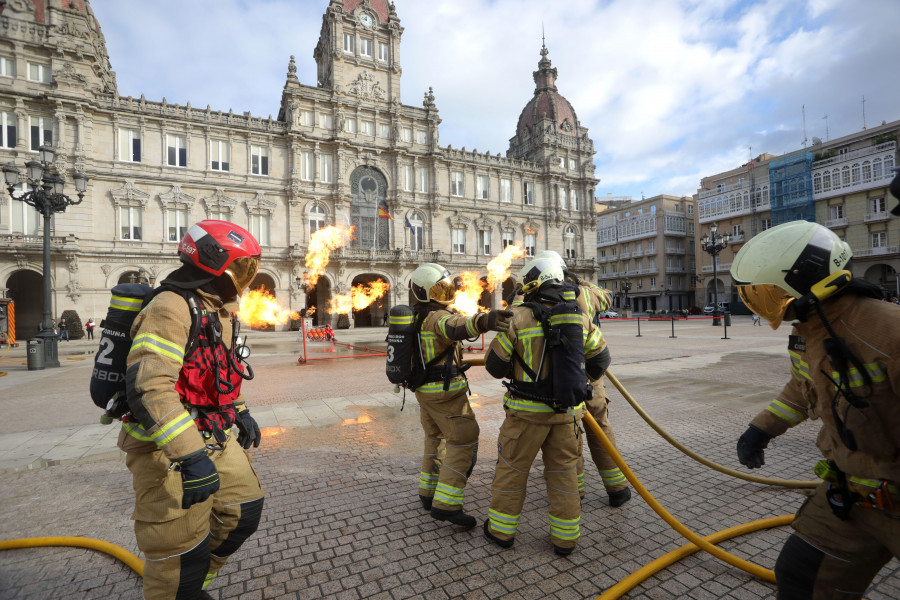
{"points": [[826, 127], [864, 112], [543, 37], [804, 126]]}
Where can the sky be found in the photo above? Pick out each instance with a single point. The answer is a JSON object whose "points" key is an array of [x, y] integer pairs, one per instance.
{"points": [[670, 90]]}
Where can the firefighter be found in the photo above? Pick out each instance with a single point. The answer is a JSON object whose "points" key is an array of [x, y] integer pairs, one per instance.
{"points": [[442, 393], [533, 425], [593, 300], [197, 497], [845, 355]]}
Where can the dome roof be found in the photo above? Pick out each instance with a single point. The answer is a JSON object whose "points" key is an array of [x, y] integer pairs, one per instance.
{"points": [[547, 102], [379, 6]]}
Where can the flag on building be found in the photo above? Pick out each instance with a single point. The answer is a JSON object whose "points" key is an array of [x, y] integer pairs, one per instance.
{"points": [[410, 225], [383, 211], [347, 219]]}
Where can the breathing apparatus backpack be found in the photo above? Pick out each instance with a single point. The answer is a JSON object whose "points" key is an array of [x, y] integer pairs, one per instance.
{"points": [[566, 385], [108, 375], [405, 366]]}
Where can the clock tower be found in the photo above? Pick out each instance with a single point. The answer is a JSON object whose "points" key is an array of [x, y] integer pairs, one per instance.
{"points": [[358, 53]]}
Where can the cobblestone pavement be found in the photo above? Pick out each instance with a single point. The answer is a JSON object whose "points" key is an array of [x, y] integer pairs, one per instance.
{"points": [[342, 519]]}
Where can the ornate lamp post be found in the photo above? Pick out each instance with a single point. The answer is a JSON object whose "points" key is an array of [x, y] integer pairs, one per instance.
{"points": [[47, 197], [626, 287], [713, 243], [143, 276]]}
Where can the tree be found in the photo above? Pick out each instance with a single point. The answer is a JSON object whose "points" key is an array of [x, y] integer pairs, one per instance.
{"points": [[73, 324]]}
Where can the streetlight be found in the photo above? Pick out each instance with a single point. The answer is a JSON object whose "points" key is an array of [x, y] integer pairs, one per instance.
{"points": [[46, 196], [713, 243], [142, 275], [626, 286]]}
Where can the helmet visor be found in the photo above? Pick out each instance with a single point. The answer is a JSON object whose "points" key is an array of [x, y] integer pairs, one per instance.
{"points": [[242, 271], [443, 291], [768, 301]]}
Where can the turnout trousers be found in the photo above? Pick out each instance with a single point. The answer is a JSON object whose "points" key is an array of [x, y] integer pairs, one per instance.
{"points": [[519, 440], [450, 449], [184, 549], [613, 478], [831, 559]]}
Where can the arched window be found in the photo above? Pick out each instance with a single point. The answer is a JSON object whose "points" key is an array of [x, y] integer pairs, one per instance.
{"points": [[826, 181], [316, 218], [876, 168], [845, 177], [570, 242], [369, 211], [415, 232], [866, 171], [854, 174], [888, 165], [817, 183]]}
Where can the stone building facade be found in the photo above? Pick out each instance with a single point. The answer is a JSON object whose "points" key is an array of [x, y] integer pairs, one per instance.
{"points": [[340, 148]]}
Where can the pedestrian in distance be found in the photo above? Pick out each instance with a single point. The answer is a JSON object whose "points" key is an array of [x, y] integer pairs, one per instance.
{"points": [[756, 320], [845, 355], [89, 327], [543, 404], [442, 392], [63, 330], [197, 498]]}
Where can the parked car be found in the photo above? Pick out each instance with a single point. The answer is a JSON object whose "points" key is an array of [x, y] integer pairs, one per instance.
{"points": [[709, 308], [609, 314]]}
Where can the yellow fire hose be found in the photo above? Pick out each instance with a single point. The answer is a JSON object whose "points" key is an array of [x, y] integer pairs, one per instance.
{"points": [[791, 483], [136, 564]]}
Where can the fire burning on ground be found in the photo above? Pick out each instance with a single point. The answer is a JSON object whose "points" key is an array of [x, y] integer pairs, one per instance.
{"points": [[321, 244], [360, 296], [259, 308], [471, 286]]}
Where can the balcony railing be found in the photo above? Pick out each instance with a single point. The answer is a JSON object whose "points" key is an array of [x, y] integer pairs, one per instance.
{"points": [[721, 268], [832, 223], [874, 217], [881, 251], [675, 250]]}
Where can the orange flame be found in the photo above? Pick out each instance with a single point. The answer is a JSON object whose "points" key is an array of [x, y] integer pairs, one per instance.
{"points": [[498, 268], [259, 307], [310, 311], [360, 296], [468, 294], [321, 244]]}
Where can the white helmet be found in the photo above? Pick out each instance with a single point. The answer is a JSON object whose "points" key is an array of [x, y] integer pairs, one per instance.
{"points": [[431, 282], [552, 254], [788, 262], [538, 271]]}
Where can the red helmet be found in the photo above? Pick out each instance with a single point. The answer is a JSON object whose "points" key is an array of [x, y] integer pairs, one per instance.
{"points": [[221, 247]]}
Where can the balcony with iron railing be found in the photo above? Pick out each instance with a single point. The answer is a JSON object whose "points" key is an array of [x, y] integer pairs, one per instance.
{"points": [[880, 251], [834, 223], [736, 237], [720, 268], [670, 250], [875, 217], [854, 155]]}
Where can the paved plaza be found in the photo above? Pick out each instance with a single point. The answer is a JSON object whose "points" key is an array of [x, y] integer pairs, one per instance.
{"points": [[339, 462]]}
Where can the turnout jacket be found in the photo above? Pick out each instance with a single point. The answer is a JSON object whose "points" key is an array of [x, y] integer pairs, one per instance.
{"points": [[160, 333], [592, 299], [440, 329], [871, 330], [525, 337]]}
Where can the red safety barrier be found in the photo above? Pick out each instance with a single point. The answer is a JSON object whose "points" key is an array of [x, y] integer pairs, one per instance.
{"points": [[306, 359]]}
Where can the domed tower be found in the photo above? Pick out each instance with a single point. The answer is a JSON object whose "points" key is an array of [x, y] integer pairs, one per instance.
{"points": [[548, 130], [79, 61]]}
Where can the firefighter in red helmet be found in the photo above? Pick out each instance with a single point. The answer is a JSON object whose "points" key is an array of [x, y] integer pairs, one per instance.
{"points": [[197, 498]]}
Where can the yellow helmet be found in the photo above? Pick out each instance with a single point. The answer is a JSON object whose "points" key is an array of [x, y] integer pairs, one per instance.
{"points": [[786, 263], [431, 283]]}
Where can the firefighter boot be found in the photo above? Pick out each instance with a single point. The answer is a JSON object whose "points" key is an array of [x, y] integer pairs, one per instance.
{"points": [[457, 517], [494, 538], [426, 501], [619, 498]]}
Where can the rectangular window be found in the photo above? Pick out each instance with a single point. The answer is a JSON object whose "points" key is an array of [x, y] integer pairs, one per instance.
{"points": [[406, 134], [326, 121], [7, 130], [219, 155], [350, 125], [423, 179], [457, 185], [176, 150], [572, 164], [382, 51], [484, 241], [130, 218], [349, 43], [530, 244], [259, 160], [25, 219], [130, 145], [219, 214], [176, 223], [576, 204], [421, 137], [563, 198], [7, 67], [529, 193], [506, 239], [766, 224], [259, 228], [836, 211], [877, 205], [416, 236], [366, 47], [326, 168], [481, 187], [306, 118], [316, 219], [737, 230], [306, 166], [505, 190], [458, 237], [406, 178], [367, 128], [38, 72], [879, 239], [384, 131], [41, 129], [652, 282], [690, 210]]}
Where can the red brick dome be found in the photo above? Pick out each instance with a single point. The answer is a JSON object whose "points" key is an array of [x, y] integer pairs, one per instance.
{"points": [[380, 7], [547, 102]]}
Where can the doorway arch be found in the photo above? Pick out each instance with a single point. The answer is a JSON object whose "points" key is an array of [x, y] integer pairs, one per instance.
{"points": [[25, 288]]}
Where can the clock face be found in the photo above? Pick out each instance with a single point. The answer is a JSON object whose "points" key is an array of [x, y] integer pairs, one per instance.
{"points": [[366, 19]]}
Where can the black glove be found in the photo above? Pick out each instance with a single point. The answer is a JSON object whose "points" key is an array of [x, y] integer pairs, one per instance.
{"points": [[498, 320], [199, 478], [248, 430], [750, 447]]}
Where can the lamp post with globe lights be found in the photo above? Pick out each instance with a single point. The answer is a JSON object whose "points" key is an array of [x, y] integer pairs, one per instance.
{"points": [[713, 243], [47, 197]]}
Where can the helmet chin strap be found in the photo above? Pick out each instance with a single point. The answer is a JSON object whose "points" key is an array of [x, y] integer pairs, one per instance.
{"points": [[819, 292]]}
